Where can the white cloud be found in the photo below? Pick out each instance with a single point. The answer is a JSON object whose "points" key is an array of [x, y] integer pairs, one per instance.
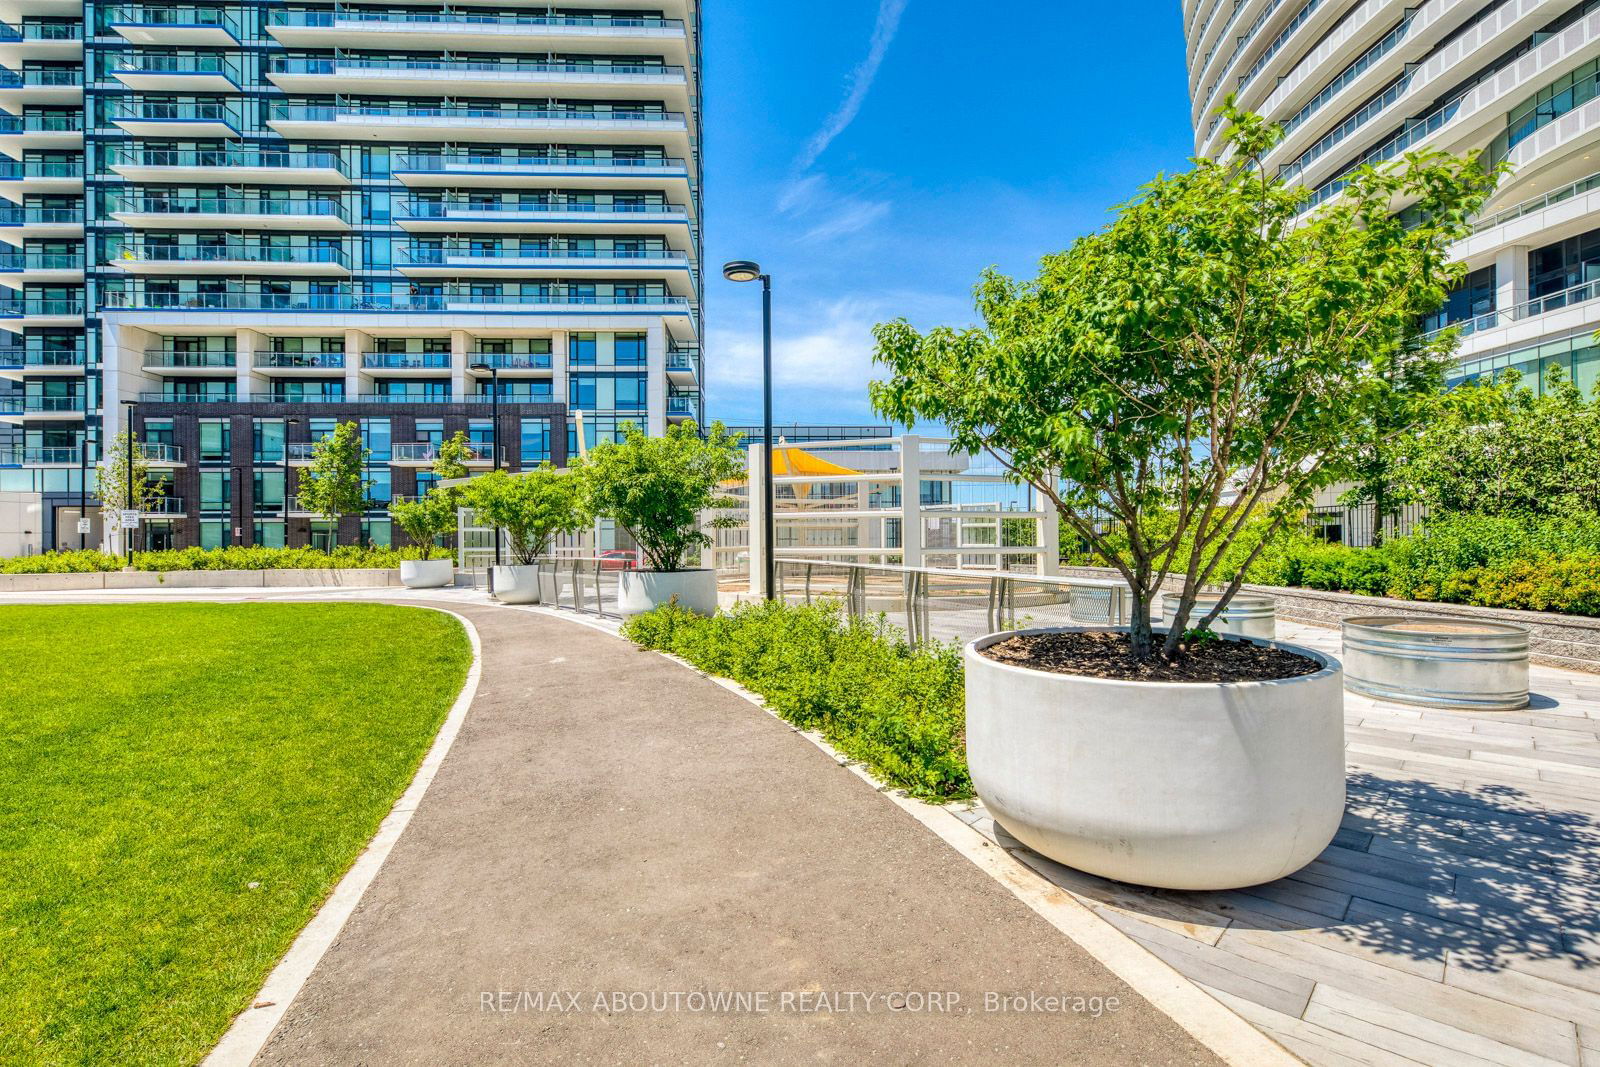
{"points": [[833, 351], [849, 216], [860, 82]]}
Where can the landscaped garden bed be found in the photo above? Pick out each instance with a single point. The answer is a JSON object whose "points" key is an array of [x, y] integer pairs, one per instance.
{"points": [[180, 787], [235, 558]]}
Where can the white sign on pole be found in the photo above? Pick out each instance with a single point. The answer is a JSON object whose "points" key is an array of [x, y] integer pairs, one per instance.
{"points": [[85, 526], [128, 520]]}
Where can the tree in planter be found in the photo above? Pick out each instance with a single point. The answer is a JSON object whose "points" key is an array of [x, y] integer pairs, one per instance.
{"points": [[1211, 354], [532, 507], [335, 483], [111, 479], [656, 487], [425, 518]]}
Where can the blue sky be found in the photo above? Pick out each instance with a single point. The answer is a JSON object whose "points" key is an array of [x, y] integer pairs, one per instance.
{"points": [[875, 155]]}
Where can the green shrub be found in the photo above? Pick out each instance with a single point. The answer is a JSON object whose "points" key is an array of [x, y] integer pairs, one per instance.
{"points": [[898, 709], [235, 558]]}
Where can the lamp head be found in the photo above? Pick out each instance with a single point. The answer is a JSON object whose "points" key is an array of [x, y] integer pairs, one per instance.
{"points": [[480, 366], [742, 270]]}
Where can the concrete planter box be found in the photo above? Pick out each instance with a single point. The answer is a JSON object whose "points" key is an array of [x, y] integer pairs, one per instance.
{"points": [[1176, 785], [349, 578], [427, 573], [1465, 664], [516, 585], [1247, 614], [642, 591]]}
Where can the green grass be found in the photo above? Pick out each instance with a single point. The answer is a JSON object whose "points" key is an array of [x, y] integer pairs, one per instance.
{"points": [[155, 761]]}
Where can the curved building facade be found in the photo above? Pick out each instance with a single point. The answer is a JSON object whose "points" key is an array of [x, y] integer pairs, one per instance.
{"points": [[1363, 81]]}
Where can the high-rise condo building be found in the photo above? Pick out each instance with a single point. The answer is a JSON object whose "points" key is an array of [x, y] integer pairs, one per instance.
{"points": [[239, 224], [1363, 81]]}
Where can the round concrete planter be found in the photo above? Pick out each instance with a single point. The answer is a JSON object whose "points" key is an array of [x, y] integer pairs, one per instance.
{"points": [[516, 585], [427, 573], [1247, 614], [642, 591], [1177, 785], [1466, 664]]}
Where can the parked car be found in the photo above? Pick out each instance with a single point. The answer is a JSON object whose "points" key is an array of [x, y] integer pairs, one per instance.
{"points": [[617, 559]]}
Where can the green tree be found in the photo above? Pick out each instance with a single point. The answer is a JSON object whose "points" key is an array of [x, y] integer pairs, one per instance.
{"points": [[1209, 354], [335, 483], [425, 518], [1501, 448], [656, 487], [111, 478], [532, 507], [451, 462]]}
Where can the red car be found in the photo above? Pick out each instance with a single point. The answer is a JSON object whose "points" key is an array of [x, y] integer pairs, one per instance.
{"points": [[617, 559]]}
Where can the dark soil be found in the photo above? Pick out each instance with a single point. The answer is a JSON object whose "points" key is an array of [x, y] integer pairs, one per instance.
{"points": [[1102, 654]]}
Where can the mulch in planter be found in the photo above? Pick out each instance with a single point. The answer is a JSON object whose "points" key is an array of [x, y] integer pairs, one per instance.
{"points": [[1104, 654]]}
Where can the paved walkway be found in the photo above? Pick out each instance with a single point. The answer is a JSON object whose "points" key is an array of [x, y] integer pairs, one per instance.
{"points": [[609, 822]]}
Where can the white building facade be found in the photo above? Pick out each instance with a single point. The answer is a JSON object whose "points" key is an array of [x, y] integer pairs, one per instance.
{"points": [[239, 224], [1363, 81]]}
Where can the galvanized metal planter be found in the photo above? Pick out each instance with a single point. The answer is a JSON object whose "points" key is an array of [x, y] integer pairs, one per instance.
{"points": [[1247, 614], [1463, 664]]}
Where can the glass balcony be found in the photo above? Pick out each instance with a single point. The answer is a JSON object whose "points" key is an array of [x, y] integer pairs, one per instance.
{"points": [[155, 163], [189, 359], [431, 256], [41, 405], [348, 301], [43, 122], [175, 207], [406, 360], [41, 78], [160, 453], [234, 252], [512, 360], [460, 67], [329, 18], [35, 30], [448, 209], [470, 162], [300, 360], [226, 397], [176, 24], [41, 307], [425, 453], [36, 456], [159, 117], [11, 215], [13, 261], [475, 117], [18, 357], [167, 505], [12, 170], [299, 451]]}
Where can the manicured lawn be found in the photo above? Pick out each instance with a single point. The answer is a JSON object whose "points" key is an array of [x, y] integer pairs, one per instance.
{"points": [[180, 787]]}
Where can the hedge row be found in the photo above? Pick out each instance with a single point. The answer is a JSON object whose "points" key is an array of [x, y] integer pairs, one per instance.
{"points": [[236, 558], [900, 710]]}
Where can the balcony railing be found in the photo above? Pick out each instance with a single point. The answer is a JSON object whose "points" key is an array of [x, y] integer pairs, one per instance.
{"points": [[234, 252], [301, 360], [36, 456], [41, 216], [172, 357], [167, 505], [40, 405], [165, 63], [428, 163], [406, 360], [444, 209], [425, 256], [43, 122], [206, 205], [175, 111], [299, 451], [12, 170], [230, 158], [40, 306], [16, 357], [226, 397], [512, 360], [160, 452], [301, 398], [426, 452], [11, 260], [41, 78], [174, 15], [294, 65], [42, 31], [683, 361], [329, 18], [346, 301], [504, 117], [1537, 203]]}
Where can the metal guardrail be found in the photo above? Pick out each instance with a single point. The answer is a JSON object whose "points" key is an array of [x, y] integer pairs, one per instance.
{"points": [[954, 605]]}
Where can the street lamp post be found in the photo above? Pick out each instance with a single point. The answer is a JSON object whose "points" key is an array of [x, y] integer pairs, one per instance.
{"points": [[743, 270], [127, 535], [494, 440], [83, 485]]}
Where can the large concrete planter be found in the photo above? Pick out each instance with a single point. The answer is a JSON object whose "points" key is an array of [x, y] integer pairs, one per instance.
{"points": [[1466, 664], [516, 585], [1174, 785], [1247, 614], [642, 591], [427, 573]]}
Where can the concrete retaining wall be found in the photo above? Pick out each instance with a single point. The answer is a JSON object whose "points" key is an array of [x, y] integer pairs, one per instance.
{"points": [[1570, 641], [264, 579]]}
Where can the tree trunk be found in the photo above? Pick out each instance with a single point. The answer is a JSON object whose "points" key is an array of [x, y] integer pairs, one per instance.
{"points": [[1380, 500]]}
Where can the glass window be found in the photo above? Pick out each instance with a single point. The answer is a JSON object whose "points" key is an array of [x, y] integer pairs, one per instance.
{"points": [[631, 349], [213, 533], [535, 446], [269, 440], [214, 439], [214, 490], [269, 490], [582, 349], [379, 532], [270, 534]]}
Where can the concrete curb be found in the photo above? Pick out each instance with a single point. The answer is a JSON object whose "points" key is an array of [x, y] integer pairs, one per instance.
{"points": [[253, 1027], [331, 578]]}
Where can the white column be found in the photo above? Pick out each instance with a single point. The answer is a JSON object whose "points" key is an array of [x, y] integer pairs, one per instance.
{"points": [[558, 369], [1050, 534], [656, 378], [911, 500], [246, 343], [460, 356], [356, 344], [1511, 278]]}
